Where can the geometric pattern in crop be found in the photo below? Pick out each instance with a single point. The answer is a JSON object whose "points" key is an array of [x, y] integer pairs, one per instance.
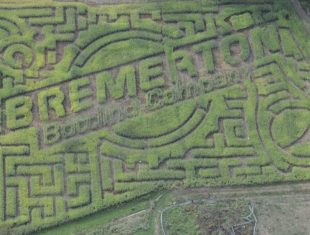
{"points": [[102, 104]]}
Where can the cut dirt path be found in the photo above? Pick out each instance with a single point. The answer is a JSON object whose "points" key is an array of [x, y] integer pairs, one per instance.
{"points": [[244, 191], [302, 13]]}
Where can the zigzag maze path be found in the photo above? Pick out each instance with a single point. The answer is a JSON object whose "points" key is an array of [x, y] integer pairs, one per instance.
{"points": [[102, 104]]}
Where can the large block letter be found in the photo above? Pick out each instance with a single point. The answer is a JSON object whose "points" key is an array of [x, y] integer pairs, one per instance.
{"points": [[151, 73], [116, 88], [235, 39], [184, 62], [80, 94], [207, 54], [18, 112], [51, 98]]}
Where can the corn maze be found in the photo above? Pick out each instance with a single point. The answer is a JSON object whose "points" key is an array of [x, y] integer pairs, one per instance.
{"points": [[101, 104]]}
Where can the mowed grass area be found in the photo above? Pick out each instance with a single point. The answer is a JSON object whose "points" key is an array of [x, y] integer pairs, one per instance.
{"points": [[104, 105], [279, 209], [218, 217], [88, 224]]}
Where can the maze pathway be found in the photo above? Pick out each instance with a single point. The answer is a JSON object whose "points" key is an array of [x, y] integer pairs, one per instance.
{"points": [[101, 104]]}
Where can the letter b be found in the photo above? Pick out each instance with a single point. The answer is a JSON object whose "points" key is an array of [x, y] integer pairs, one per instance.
{"points": [[18, 112]]}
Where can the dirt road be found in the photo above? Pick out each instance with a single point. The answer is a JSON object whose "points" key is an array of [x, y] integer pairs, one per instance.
{"points": [[302, 13]]}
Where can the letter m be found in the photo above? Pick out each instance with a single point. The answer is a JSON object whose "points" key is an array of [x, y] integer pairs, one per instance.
{"points": [[116, 88]]}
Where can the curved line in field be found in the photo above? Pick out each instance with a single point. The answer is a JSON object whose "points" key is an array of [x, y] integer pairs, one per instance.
{"points": [[82, 58], [191, 125], [162, 134]]}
